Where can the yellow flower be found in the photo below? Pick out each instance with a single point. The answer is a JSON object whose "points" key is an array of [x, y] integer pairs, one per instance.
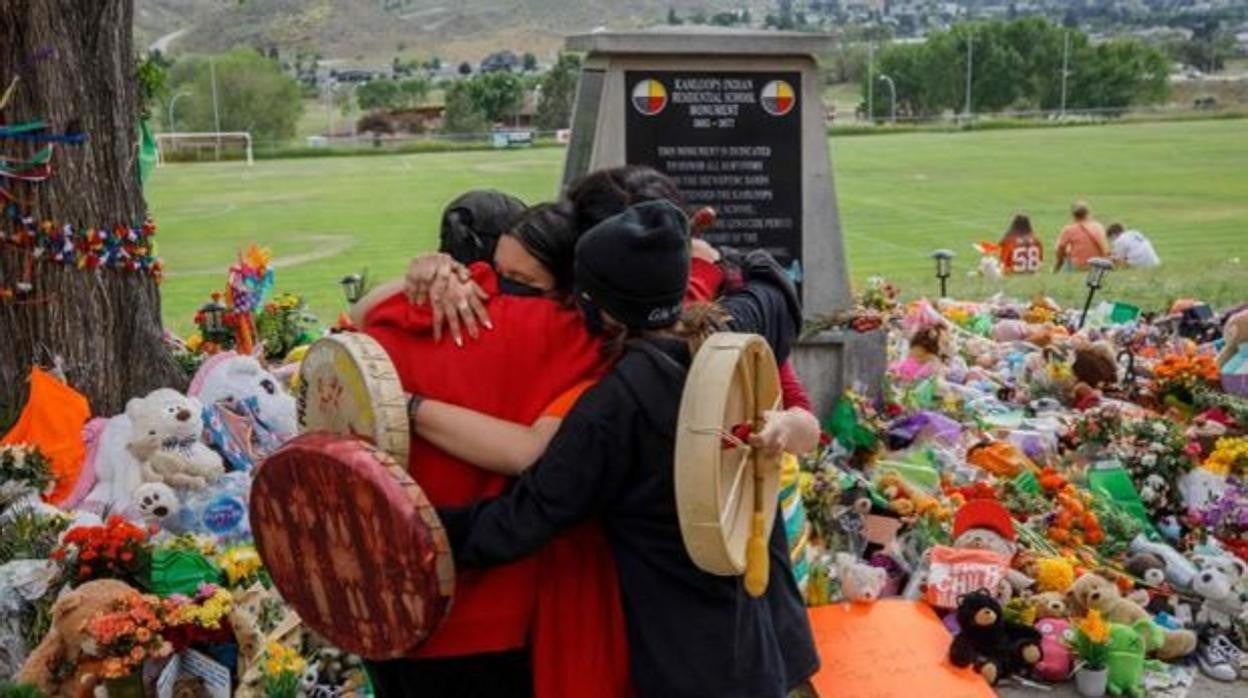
{"points": [[1228, 454], [194, 342], [240, 564]]}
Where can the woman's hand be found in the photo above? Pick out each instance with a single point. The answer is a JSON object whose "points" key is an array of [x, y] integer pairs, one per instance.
{"points": [[458, 303], [701, 249], [428, 269], [793, 431]]}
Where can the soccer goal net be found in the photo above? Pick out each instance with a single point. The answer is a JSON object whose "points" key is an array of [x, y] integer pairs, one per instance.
{"points": [[206, 145]]}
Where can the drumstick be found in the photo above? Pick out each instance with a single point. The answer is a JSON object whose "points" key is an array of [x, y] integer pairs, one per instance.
{"points": [[756, 561]]}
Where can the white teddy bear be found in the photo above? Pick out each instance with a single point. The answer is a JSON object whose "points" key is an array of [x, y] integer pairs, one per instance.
{"points": [[1219, 583], [166, 440], [232, 377], [115, 472]]}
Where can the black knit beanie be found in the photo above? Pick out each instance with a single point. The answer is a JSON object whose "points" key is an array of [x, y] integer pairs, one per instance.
{"points": [[635, 265], [473, 222]]}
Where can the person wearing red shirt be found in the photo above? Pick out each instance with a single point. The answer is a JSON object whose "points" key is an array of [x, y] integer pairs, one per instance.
{"points": [[537, 349], [1021, 251]]}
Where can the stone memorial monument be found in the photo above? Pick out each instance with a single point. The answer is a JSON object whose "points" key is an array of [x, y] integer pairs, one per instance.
{"points": [[737, 119]]}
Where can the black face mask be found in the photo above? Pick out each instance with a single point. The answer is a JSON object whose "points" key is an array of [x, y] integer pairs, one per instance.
{"points": [[510, 287], [592, 314]]}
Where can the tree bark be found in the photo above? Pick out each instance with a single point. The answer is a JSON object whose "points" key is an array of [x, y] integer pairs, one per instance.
{"points": [[105, 323]]}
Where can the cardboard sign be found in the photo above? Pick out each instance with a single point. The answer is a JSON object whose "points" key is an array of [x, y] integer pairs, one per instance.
{"points": [[216, 678], [889, 649], [168, 677], [955, 572]]}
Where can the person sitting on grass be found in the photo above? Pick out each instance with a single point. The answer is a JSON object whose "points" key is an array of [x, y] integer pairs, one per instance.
{"points": [[1131, 248], [1081, 241], [1021, 251]]}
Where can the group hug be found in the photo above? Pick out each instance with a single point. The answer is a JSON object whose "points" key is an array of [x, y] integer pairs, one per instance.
{"points": [[545, 351]]}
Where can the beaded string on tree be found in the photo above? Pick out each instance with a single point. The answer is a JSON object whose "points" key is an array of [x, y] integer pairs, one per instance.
{"points": [[126, 248]]}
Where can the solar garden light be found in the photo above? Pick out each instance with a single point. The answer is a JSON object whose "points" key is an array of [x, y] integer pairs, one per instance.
{"points": [[944, 268], [214, 316], [352, 287], [1099, 267]]}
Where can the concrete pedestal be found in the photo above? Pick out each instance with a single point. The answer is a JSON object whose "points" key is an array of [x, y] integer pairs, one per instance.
{"points": [[737, 119], [832, 362]]}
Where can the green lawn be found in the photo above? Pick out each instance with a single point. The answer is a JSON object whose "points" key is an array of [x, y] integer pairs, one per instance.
{"points": [[1184, 184]]}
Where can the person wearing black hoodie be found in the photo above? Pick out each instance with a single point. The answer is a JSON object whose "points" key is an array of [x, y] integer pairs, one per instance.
{"points": [[690, 633]]}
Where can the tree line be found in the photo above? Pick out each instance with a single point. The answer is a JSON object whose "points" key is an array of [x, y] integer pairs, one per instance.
{"points": [[1016, 65]]}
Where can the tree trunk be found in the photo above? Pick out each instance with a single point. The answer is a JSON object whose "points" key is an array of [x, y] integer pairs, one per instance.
{"points": [[104, 323]]}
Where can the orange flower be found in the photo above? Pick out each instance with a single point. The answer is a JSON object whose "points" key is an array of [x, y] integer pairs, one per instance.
{"points": [[1094, 627], [137, 654]]}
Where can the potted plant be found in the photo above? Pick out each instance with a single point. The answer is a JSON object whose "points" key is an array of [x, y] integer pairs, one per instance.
{"points": [[281, 669], [1090, 642]]}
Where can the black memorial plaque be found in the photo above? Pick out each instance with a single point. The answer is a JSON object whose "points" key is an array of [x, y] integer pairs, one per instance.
{"points": [[732, 141]]}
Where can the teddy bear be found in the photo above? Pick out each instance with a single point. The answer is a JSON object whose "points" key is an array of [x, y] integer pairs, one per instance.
{"points": [[1091, 591], [110, 473], [1220, 583], [984, 524], [930, 347], [233, 378], [166, 440], [995, 647], [1095, 365], [63, 645], [1234, 335], [1154, 593], [1049, 604], [860, 582], [1057, 663]]}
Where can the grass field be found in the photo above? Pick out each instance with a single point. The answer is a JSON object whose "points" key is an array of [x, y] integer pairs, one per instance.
{"points": [[1184, 184]]}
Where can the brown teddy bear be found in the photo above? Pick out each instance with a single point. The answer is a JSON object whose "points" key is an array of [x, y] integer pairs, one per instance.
{"points": [[1234, 333], [1092, 591], [1049, 604], [57, 666]]}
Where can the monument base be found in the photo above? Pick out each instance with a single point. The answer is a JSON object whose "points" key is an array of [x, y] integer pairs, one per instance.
{"points": [[833, 361]]}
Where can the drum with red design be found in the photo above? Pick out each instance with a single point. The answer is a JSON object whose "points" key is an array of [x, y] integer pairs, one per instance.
{"points": [[352, 544]]}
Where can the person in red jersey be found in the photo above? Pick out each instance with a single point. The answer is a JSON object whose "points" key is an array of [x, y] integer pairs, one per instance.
{"points": [[1021, 251]]}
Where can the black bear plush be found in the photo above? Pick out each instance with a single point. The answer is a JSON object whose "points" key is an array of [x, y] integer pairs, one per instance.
{"points": [[996, 648]]}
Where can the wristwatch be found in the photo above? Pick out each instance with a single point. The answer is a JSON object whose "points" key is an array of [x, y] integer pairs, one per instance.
{"points": [[413, 404]]}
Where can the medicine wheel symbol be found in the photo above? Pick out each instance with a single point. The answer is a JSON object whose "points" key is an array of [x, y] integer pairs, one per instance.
{"points": [[649, 97], [778, 98]]}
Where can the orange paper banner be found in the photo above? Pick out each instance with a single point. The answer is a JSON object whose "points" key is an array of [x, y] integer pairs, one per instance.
{"points": [[889, 649]]}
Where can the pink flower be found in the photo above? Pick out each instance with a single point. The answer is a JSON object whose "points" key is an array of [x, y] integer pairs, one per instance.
{"points": [[1193, 449]]}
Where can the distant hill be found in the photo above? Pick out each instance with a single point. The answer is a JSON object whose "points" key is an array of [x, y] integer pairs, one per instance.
{"points": [[377, 30]]}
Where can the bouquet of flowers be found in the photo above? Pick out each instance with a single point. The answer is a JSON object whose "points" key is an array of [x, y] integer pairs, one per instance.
{"points": [[200, 620], [283, 324], [1177, 377], [1227, 517], [280, 671], [879, 295], [129, 634], [118, 549], [24, 470], [1229, 457], [242, 565]]}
